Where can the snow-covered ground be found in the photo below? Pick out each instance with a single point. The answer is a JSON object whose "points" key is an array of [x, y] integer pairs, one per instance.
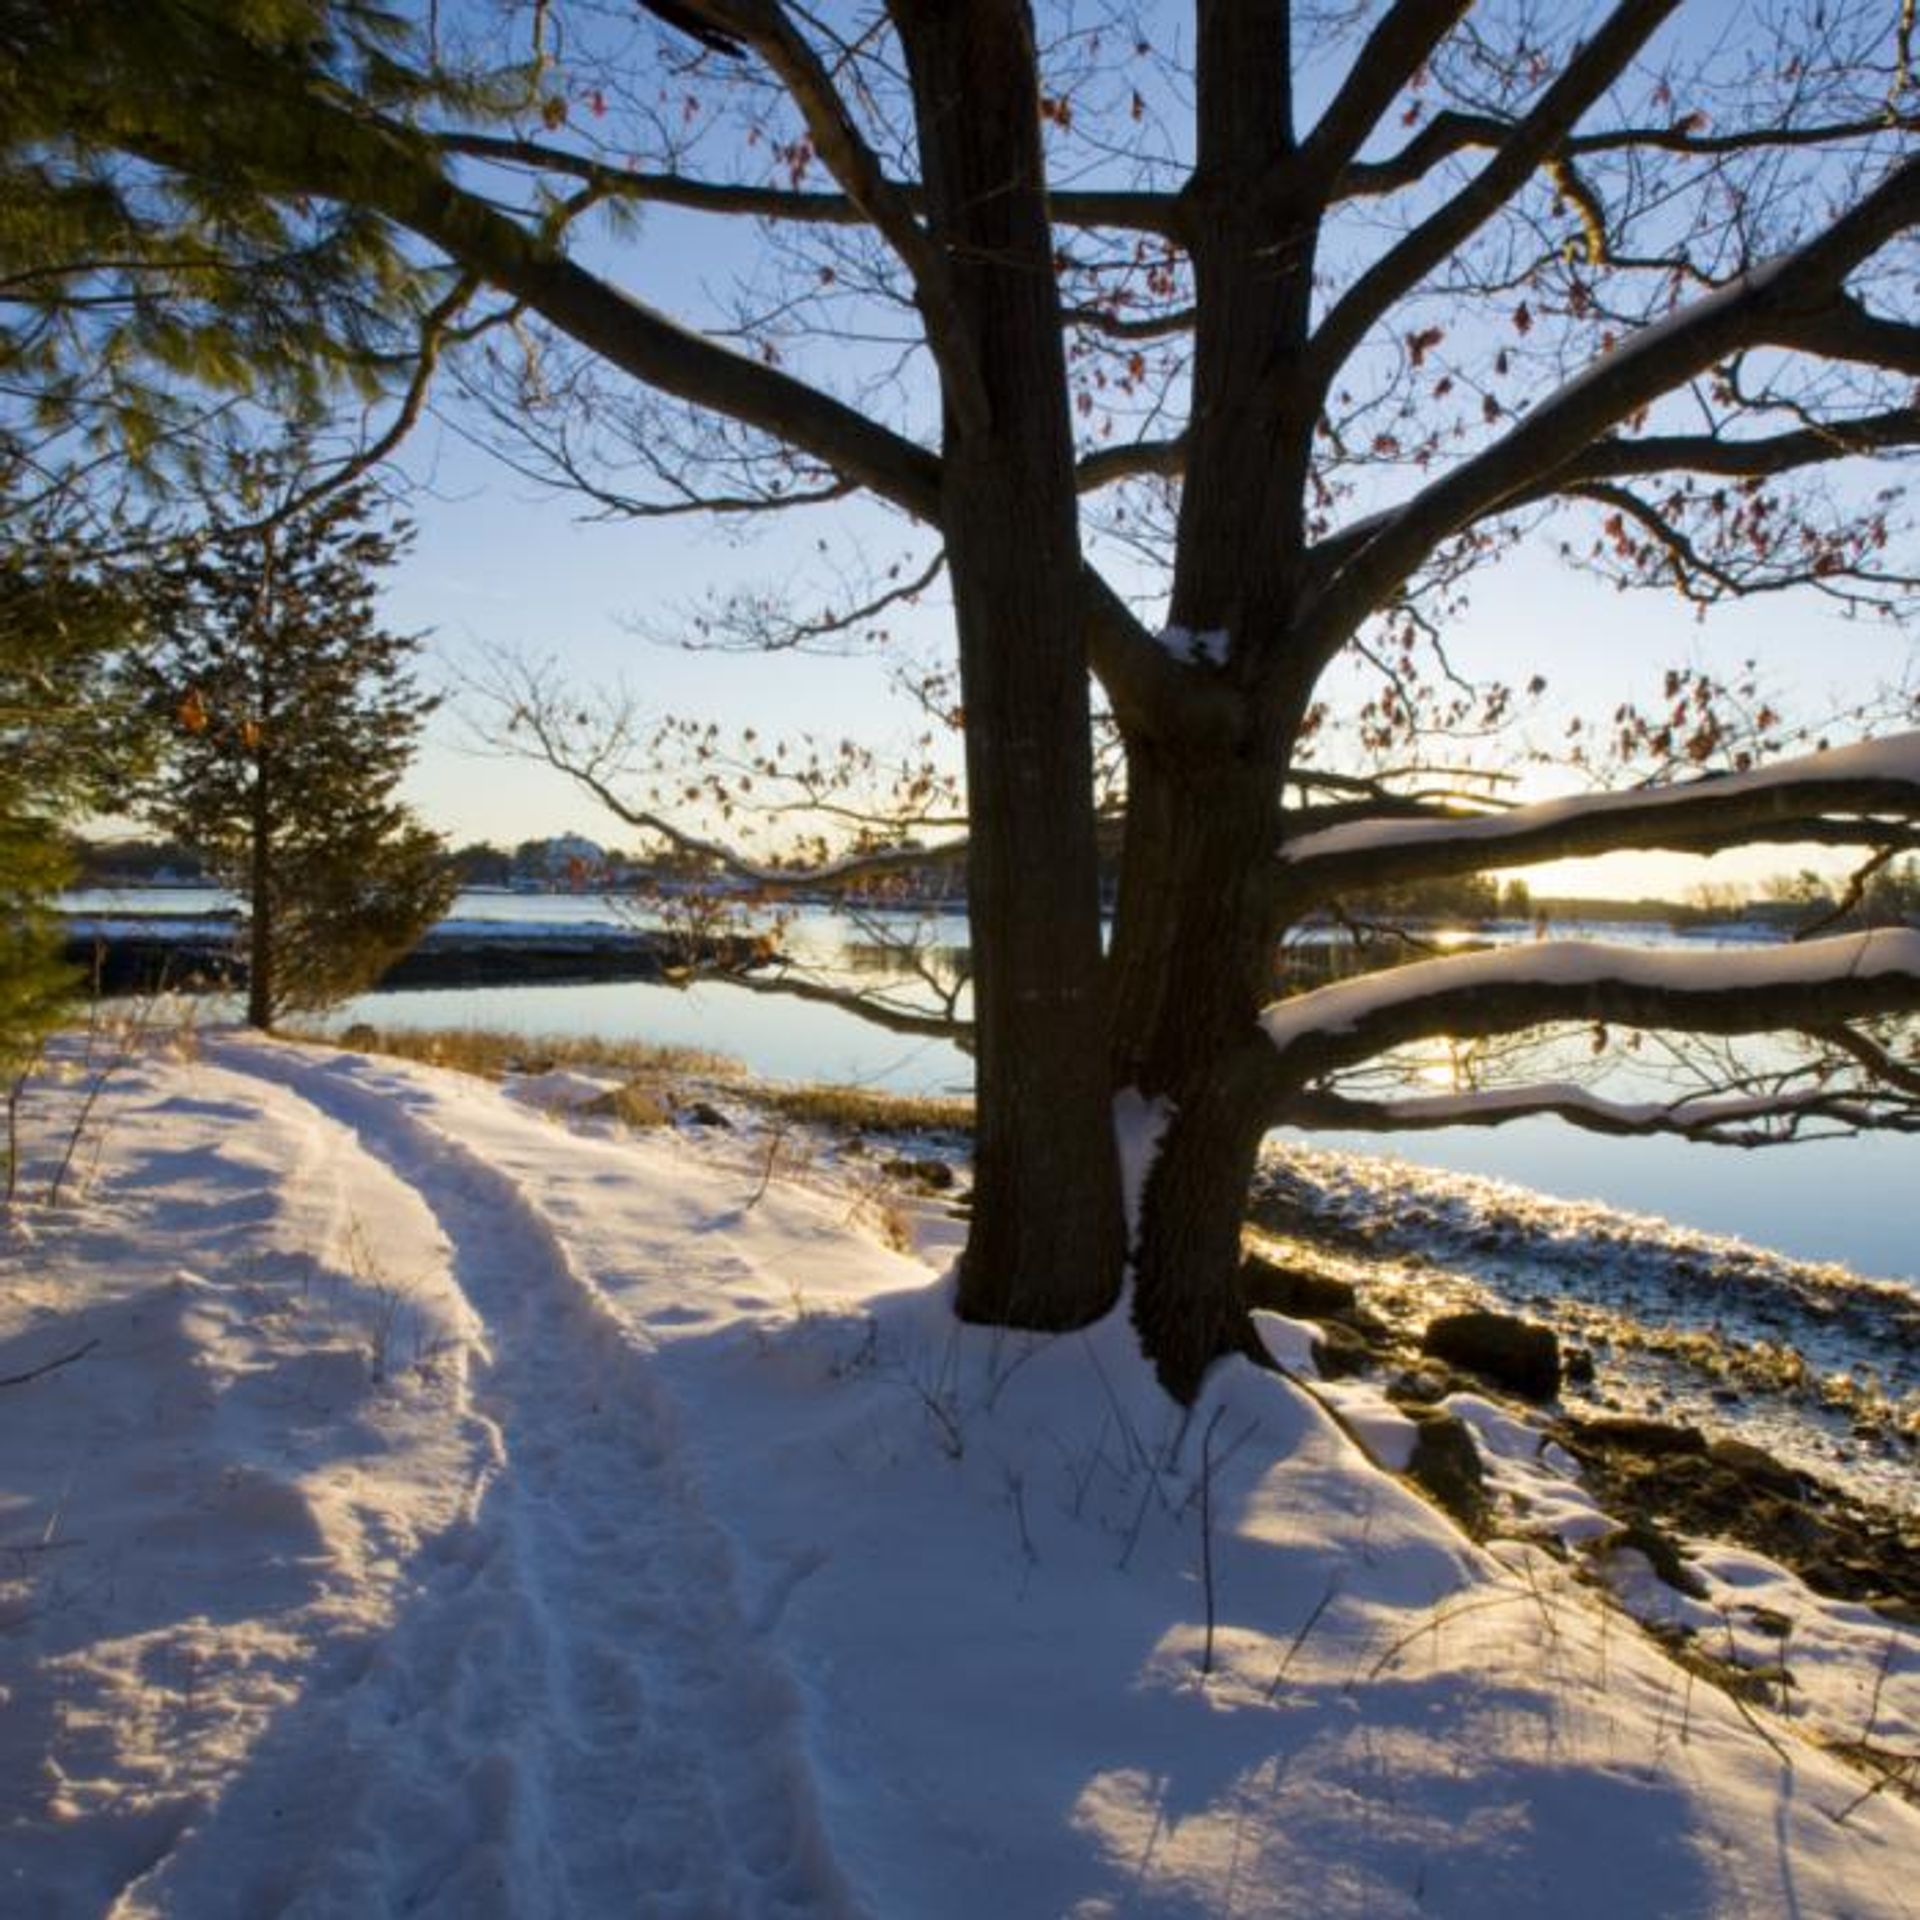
{"points": [[418, 1497]]}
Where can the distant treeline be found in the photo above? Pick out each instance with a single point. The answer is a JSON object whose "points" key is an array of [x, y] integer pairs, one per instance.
{"points": [[1788, 900]]}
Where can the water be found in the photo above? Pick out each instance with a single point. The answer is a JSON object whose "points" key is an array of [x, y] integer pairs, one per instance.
{"points": [[775, 1037], [1834, 1200]]}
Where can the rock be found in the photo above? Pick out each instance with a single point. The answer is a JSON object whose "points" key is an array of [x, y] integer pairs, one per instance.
{"points": [[1420, 1389], [1447, 1464], [703, 1113], [1516, 1354], [1757, 1466], [1661, 1554], [1658, 1439], [1577, 1363], [928, 1172], [1288, 1290], [1338, 1350]]}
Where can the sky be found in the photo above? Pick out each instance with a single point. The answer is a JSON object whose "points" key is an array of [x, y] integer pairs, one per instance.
{"points": [[501, 564]]}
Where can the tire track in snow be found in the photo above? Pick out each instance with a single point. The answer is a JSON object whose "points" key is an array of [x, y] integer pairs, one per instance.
{"points": [[572, 1715]]}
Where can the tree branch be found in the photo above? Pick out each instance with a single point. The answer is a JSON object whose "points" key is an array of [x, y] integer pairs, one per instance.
{"points": [[1399, 45], [1863, 795], [1619, 457], [1121, 210], [541, 724], [295, 142], [877, 1012], [1166, 459], [766, 27], [1591, 70], [1783, 302], [1743, 1120], [1510, 989], [48, 1366], [1451, 132], [1847, 330]]}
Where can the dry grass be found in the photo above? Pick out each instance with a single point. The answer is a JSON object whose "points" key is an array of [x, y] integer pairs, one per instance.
{"points": [[861, 1110], [489, 1054], [635, 1104]]}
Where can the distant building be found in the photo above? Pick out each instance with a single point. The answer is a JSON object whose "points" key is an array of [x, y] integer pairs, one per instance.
{"points": [[568, 860]]}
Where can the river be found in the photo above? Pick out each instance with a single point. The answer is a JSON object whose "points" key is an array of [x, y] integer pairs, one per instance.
{"points": [[1843, 1200]]}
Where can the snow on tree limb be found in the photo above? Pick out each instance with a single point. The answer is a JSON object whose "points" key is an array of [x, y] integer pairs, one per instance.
{"points": [[1867, 794], [1746, 1120], [1812, 984]]}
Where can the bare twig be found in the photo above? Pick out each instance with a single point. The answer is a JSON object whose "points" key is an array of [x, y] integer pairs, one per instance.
{"points": [[61, 1360]]}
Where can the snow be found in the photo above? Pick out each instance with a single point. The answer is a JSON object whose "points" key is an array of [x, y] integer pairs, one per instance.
{"points": [[1346, 1004], [1894, 760], [471, 1507], [1138, 1126], [1208, 647]]}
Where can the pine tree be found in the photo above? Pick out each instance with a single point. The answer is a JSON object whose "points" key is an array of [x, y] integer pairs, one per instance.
{"points": [[68, 738], [294, 715]]}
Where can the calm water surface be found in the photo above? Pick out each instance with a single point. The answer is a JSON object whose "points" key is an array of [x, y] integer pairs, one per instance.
{"points": [[1846, 1200]]}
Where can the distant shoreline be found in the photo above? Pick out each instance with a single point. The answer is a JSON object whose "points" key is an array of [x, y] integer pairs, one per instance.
{"points": [[205, 953]]}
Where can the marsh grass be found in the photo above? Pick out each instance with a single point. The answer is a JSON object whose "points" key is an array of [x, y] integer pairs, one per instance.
{"points": [[863, 1110], [490, 1054]]}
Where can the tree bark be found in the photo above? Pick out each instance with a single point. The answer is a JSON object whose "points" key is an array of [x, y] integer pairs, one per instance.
{"points": [[1047, 1239], [1186, 1300], [263, 935], [1192, 965]]}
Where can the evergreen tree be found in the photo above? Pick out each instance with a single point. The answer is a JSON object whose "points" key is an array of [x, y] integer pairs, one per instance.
{"points": [[67, 741], [294, 715]]}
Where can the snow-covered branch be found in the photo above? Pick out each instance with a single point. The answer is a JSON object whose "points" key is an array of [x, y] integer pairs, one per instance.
{"points": [[1743, 1119], [1814, 984], [1867, 794]]}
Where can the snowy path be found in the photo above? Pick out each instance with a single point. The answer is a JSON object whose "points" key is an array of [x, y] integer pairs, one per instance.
{"points": [[570, 1715]]}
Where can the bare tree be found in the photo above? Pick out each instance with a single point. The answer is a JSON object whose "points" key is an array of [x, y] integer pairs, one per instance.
{"points": [[1287, 318]]}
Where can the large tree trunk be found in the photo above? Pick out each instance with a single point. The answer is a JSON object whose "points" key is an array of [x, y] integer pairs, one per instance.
{"points": [[1047, 1239], [1193, 963], [1194, 944]]}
